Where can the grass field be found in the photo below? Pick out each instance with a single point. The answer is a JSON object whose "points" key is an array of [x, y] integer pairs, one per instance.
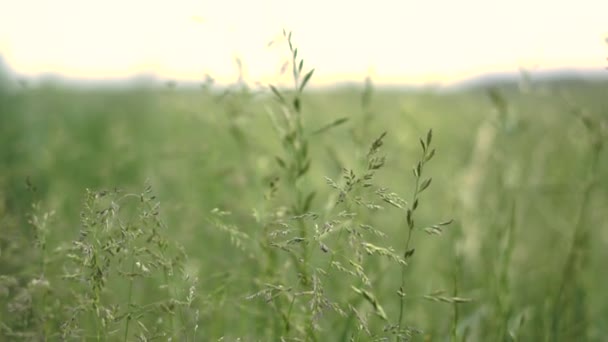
{"points": [[189, 214]]}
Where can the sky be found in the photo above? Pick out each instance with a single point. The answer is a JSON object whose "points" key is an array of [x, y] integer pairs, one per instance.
{"points": [[393, 41]]}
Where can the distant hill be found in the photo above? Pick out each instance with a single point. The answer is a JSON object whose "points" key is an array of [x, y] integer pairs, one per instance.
{"points": [[542, 77], [4, 70], [494, 79]]}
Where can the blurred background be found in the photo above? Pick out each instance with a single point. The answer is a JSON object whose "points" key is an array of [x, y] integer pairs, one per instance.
{"points": [[111, 94]]}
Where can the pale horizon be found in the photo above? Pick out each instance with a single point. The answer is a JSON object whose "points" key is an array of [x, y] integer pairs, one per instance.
{"points": [[394, 42]]}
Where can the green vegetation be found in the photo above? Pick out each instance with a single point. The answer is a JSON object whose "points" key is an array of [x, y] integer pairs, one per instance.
{"points": [[346, 214]]}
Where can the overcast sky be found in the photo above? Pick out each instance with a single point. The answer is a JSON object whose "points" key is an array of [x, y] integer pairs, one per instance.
{"points": [[397, 41]]}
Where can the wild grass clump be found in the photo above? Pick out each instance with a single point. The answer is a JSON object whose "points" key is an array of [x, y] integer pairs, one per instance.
{"points": [[323, 257], [77, 292]]}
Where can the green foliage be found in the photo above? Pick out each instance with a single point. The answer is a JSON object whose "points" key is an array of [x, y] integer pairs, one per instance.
{"points": [[330, 221]]}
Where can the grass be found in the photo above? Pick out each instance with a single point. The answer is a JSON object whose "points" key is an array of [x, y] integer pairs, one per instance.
{"points": [[297, 214]]}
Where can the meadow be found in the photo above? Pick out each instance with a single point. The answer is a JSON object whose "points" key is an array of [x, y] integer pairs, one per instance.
{"points": [[353, 213]]}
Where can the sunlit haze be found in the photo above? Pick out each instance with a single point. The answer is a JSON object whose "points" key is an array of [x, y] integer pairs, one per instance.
{"points": [[396, 41]]}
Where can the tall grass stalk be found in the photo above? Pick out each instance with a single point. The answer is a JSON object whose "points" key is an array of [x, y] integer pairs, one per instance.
{"points": [[295, 163], [570, 319], [420, 185]]}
